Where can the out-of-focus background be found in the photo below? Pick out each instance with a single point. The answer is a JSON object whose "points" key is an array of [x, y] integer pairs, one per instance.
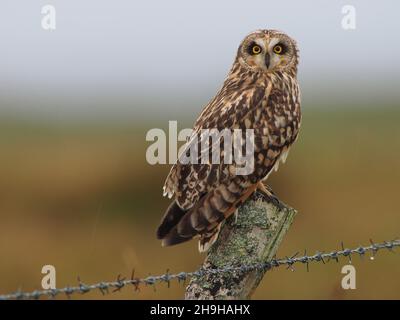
{"points": [[76, 103]]}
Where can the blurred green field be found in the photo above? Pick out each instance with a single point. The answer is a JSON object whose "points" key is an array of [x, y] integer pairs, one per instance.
{"points": [[81, 196]]}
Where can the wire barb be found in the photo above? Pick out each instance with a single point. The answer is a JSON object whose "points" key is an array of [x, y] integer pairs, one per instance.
{"points": [[167, 277]]}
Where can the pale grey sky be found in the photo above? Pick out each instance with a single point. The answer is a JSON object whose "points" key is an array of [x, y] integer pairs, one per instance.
{"points": [[177, 50]]}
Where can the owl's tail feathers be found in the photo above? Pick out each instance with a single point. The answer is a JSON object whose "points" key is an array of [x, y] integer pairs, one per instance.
{"points": [[172, 215], [204, 218]]}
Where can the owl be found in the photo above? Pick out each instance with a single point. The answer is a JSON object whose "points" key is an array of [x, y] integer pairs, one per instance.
{"points": [[261, 93]]}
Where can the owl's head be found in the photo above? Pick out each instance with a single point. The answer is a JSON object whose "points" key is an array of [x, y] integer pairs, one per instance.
{"points": [[268, 51]]}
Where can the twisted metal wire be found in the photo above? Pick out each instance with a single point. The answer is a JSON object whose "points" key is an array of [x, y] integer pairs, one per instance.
{"points": [[118, 284]]}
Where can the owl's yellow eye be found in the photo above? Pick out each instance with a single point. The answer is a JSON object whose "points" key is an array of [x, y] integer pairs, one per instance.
{"points": [[256, 49], [278, 49]]}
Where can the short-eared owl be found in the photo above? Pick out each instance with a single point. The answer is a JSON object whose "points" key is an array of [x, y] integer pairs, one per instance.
{"points": [[260, 93]]}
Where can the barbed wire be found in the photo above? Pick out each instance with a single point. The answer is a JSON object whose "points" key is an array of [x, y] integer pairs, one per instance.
{"points": [[117, 285]]}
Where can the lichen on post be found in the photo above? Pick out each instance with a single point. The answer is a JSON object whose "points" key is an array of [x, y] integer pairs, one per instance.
{"points": [[253, 236]]}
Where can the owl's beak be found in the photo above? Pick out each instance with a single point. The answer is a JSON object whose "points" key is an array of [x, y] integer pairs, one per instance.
{"points": [[267, 60]]}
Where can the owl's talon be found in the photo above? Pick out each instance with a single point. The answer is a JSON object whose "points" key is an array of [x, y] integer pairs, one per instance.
{"points": [[276, 202], [269, 196]]}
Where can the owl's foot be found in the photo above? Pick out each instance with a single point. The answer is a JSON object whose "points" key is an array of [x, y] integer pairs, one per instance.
{"points": [[269, 195]]}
